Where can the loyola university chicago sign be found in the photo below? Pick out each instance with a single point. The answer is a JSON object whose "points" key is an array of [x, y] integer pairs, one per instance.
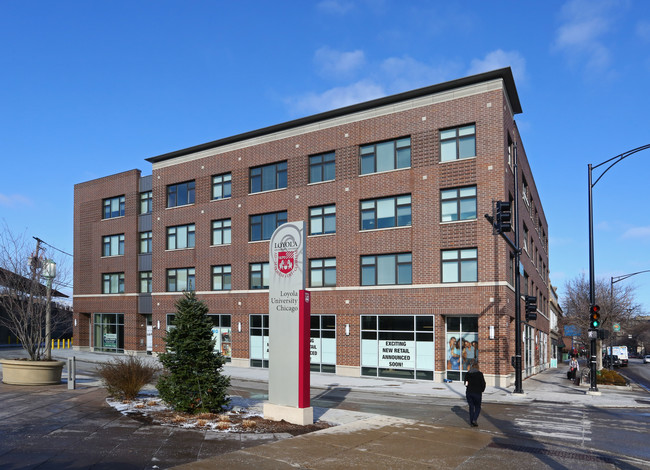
{"points": [[289, 322]]}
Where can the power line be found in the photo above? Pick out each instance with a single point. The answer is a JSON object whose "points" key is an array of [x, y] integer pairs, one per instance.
{"points": [[53, 247]]}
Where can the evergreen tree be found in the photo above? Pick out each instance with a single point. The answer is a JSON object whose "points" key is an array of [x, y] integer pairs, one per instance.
{"points": [[193, 380]]}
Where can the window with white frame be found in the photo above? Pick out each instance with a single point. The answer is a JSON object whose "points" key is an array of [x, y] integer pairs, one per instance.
{"points": [[180, 279], [386, 212], [458, 143], [322, 220], [380, 270], [222, 186], [322, 272], [221, 277], [458, 204], [113, 245], [268, 177], [221, 232], [385, 156], [460, 265]]}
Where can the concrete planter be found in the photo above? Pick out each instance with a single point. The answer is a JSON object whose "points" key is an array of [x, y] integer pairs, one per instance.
{"points": [[20, 372]]}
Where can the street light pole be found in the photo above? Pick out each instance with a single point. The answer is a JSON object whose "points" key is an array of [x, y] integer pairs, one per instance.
{"points": [[614, 280], [592, 290]]}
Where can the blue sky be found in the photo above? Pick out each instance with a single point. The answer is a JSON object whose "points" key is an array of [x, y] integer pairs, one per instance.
{"points": [[89, 89]]}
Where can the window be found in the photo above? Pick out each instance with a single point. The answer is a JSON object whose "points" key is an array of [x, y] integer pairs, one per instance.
{"points": [[179, 280], [259, 275], [179, 237], [379, 270], [262, 226], [180, 194], [458, 204], [321, 167], [145, 282], [113, 245], [221, 232], [386, 212], [386, 156], [525, 239], [146, 201], [322, 220], [525, 192], [268, 177], [145, 242], [457, 143], [113, 283], [460, 265], [221, 277], [322, 272], [113, 207], [221, 186]]}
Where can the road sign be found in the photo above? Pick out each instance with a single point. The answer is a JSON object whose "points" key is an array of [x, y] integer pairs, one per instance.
{"points": [[617, 327]]}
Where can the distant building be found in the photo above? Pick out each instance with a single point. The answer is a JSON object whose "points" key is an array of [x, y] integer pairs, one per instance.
{"points": [[407, 278], [558, 345]]}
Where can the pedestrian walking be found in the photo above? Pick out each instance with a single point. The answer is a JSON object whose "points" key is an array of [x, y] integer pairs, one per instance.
{"points": [[475, 383], [574, 367]]}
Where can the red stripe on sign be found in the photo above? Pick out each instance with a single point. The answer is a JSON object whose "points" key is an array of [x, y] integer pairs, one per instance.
{"points": [[303, 349]]}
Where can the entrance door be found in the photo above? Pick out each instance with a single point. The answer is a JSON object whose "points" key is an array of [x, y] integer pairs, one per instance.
{"points": [[149, 339]]}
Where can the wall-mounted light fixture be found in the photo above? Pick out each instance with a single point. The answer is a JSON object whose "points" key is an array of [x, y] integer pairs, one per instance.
{"points": [[239, 327], [158, 324], [491, 331], [347, 329]]}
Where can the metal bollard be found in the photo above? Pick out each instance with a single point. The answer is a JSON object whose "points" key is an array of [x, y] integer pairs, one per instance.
{"points": [[72, 373]]}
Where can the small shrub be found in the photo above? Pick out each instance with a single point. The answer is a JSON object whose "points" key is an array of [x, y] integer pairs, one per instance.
{"points": [[201, 423], [248, 423], [223, 425], [125, 377], [224, 418], [610, 377]]}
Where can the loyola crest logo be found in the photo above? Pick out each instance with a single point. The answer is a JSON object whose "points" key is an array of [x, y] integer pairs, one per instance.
{"points": [[285, 250]]}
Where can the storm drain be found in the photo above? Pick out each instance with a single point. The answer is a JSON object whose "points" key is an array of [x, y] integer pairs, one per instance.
{"points": [[554, 453]]}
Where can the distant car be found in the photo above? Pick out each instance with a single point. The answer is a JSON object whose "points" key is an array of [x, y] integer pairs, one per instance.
{"points": [[611, 360], [646, 359]]}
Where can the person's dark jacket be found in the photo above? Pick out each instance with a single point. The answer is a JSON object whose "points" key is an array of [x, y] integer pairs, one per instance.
{"points": [[475, 381]]}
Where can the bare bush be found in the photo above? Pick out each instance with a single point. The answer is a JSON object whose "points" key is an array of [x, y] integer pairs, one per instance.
{"points": [[125, 377]]}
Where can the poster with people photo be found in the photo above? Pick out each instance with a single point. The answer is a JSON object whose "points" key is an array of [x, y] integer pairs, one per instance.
{"points": [[461, 349]]}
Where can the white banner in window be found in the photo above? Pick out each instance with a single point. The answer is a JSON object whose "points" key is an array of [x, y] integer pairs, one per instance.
{"points": [[314, 350], [397, 353]]}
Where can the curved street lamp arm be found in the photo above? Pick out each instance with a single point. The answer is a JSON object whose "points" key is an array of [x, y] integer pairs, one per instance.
{"points": [[618, 158], [616, 279]]}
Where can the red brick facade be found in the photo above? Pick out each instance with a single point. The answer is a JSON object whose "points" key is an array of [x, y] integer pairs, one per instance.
{"points": [[486, 102]]}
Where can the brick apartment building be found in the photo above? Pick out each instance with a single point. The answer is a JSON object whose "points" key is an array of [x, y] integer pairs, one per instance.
{"points": [[407, 278]]}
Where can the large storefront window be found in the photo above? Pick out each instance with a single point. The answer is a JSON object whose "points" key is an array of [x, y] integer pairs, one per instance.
{"points": [[259, 341], [322, 347], [222, 334], [109, 332], [461, 345], [398, 346]]}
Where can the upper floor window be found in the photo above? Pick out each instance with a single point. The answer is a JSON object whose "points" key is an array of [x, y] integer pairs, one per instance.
{"points": [[221, 232], [259, 275], [321, 167], [222, 186], [386, 212], [457, 143], [180, 194], [113, 283], [385, 156], [262, 226], [268, 177], [113, 207], [113, 245], [180, 236], [146, 202], [525, 192], [322, 272], [379, 270], [460, 265], [322, 220], [145, 282], [221, 277], [145, 242], [458, 204], [181, 279]]}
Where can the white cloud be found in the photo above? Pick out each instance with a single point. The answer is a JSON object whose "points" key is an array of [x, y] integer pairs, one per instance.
{"points": [[407, 73], [499, 59], [14, 200], [338, 64], [637, 232], [581, 33], [337, 97]]}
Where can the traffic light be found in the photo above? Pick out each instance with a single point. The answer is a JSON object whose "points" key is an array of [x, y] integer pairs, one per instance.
{"points": [[594, 317], [503, 219], [531, 308]]}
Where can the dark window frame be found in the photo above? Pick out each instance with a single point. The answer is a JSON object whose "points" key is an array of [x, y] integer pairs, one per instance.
{"points": [[146, 202], [373, 210], [224, 272], [257, 177], [323, 217], [145, 237], [190, 276], [224, 182], [107, 244], [459, 199], [190, 235], [323, 269], [108, 213], [458, 261], [397, 264], [181, 194], [224, 228], [251, 271], [457, 139], [322, 164], [147, 278], [110, 278], [368, 153], [262, 221]]}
